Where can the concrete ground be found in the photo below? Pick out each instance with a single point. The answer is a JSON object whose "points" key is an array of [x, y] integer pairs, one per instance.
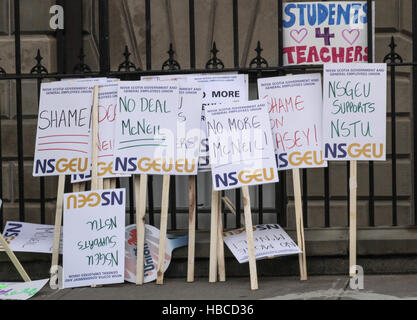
{"points": [[376, 287]]}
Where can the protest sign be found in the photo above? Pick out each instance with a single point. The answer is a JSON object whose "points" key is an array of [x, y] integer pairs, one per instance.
{"points": [[240, 144], [325, 32], [354, 112], [107, 103], [94, 238], [63, 140], [152, 236], [295, 111], [146, 126], [29, 237], [20, 290], [270, 241]]}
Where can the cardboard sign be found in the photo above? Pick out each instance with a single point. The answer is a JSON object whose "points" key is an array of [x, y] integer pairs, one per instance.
{"points": [[295, 111], [146, 129], [240, 144], [354, 113], [29, 237], [63, 139], [107, 104], [20, 290], [270, 241], [218, 88], [94, 238], [150, 252], [325, 32], [223, 88]]}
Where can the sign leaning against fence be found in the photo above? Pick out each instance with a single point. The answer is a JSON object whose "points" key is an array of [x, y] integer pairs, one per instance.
{"points": [[94, 238], [63, 139], [354, 113], [325, 32]]}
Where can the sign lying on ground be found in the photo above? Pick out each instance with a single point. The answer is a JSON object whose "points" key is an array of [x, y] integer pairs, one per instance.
{"points": [[295, 110], [240, 144], [63, 139], [20, 290], [270, 241], [325, 32], [94, 238], [354, 112], [150, 252], [29, 237]]}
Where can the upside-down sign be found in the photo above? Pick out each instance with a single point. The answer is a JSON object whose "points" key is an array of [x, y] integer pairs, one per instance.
{"points": [[354, 113], [325, 32], [295, 112]]}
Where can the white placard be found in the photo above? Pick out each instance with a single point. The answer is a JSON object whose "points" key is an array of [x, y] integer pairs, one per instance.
{"points": [[295, 111], [270, 241], [94, 238], [325, 32], [240, 144], [20, 290], [30, 237], [355, 110], [150, 252], [63, 138], [146, 128]]}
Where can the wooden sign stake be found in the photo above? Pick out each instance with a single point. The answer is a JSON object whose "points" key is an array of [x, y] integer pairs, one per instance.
{"points": [[299, 223], [191, 228], [214, 235], [141, 184], [58, 223], [220, 244], [163, 229], [352, 217], [14, 259], [250, 239]]}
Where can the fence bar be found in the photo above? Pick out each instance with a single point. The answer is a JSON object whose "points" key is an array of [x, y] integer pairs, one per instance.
{"points": [[414, 9], [103, 8], [19, 111], [393, 150], [236, 64], [371, 209], [305, 199], [42, 179], [327, 196], [148, 34], [131, 201]]}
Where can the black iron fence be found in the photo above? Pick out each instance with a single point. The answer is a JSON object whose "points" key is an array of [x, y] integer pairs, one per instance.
{"points": [[258, 67]]}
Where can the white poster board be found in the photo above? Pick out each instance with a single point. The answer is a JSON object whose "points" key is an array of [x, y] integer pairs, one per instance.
{"points": [[150, 252], [240, 144], [146, 127], [94, 238], [295, 110], [20, 290], [354, 112], [63, 139], [30, 237], [270, 241], [325, 32], [107, 106]]}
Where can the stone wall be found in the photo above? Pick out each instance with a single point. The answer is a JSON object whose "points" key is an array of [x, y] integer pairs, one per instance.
{"points": [[213, 18]]}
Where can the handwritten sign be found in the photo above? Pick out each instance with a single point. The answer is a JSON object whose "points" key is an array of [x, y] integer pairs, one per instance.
{"points": [[63, 139], [146, 129], [270, 241], [240, 144], [325, 32], [295, 111], [150, 252], [107, 104], [354, 114], [20, 290], [94, 238], [29, 237]]}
